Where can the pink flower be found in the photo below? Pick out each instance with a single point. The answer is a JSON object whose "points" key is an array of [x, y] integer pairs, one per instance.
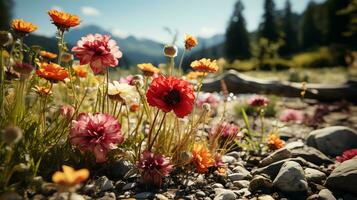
{"points": [[129, 79], [154, 167], [226, 130], [218, 161], [258, 101], [292, 115], [97, 133], [97, 50], [209, 98], [347, 155], [67, 111]]}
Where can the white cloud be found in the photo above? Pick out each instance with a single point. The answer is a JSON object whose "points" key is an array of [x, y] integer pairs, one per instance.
{"points": [[207, 31], [119, 33], [55, 7], [90, 11]]}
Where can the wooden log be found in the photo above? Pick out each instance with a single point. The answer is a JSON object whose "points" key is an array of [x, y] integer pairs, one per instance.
{"points": [[238, 83]]}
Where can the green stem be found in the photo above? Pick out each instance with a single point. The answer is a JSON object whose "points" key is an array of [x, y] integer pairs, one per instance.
{"points": [[181, 61], [172, 65], [157, 132], [152, 127], [60, 46], [2, 84]]}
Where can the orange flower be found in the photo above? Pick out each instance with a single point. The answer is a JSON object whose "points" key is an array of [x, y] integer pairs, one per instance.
{"points": [[195, 75], [190, 42], [69, 176], [80, 71], [274, 142], [202, 158], [63, 20], [148, 69], [48, 55], [42, 90], [22, 26], [52, 72], [205, 65], [134, 107]]}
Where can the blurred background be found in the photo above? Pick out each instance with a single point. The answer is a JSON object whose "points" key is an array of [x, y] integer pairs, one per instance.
{"points": [[300, 40]]}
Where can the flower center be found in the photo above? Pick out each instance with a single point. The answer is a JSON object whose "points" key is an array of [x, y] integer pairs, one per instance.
{"points": [[172, 98]]}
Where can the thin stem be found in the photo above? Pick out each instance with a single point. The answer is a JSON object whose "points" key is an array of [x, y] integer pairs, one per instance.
{"points": [[2, 84], [157, 132], [181, 61], [60, 45], [152, 127], [172, 65]]}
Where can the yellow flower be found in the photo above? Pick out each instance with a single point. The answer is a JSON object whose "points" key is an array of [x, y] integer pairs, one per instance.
{"points": [[80, 71], [48, 55], [274, 142], [69, 176], [42, 90], [148, 69], [195, 75], [205, 65], [190, 42], [202, 158], [21, 26], [63, 20]]}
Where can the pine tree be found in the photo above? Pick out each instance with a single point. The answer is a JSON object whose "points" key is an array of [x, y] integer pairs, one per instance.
{"points": [[337, 24], [290, 36], [269, 29], [5, 13], [310, 35], [237, 45]]}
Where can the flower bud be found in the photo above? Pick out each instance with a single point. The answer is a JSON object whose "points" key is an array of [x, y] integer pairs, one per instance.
{"points": [[138, 80], [5, 38], [170, 51], [11, 134], [23, 68], [206, 107]]}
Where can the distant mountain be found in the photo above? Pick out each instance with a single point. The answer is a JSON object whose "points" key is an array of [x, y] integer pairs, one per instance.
{"points": [[135, 50]]}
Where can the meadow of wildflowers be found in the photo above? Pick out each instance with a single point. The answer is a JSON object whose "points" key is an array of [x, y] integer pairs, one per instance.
{"points": [[62, 111]]}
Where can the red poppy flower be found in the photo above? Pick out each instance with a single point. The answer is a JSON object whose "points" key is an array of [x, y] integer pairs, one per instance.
{"points": [[171, 93]]}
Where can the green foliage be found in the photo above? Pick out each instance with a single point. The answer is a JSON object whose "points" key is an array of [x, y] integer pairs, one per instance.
{"points": [[310, 35], [319, 58], [269, 110], [5, 14], [268, 28], [237, 42], [290, 34]]}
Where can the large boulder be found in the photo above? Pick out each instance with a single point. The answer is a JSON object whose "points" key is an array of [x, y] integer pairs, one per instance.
{"points": [[344, 177], [333, 140], [312, 155], [291, 178]]}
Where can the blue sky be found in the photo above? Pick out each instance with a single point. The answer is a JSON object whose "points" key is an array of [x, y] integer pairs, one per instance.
{"points": [[146, 18]]}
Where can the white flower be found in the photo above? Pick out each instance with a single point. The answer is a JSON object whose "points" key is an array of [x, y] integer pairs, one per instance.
{"points": [[122, 92]]}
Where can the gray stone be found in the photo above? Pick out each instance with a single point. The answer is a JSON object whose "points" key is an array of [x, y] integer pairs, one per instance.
{"points": [[104, 184], [144, 195], [294, 145], [234, 154], [273, 169], [64, 196], [236, 176], [161, 197], [312, 155], [291, 178], [241, 170], [200, 194], [241, 184], [122, 169], [243, 192], [223, 194], [344, 177], [229, 159], [108, 196], [278, 155], [326, 194], [313, 175], [265, 197], [333, 140], [129, 186], [217, 185], [260, 182]]}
